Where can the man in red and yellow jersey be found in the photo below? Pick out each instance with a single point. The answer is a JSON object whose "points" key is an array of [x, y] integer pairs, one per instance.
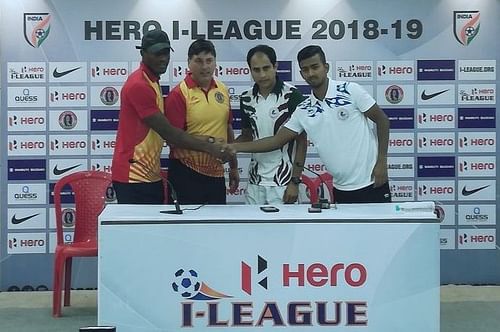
{"points": [[200, 106], [143, 128]]}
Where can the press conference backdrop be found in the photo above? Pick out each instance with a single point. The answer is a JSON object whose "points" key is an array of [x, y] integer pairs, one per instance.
{"points": [[431, 65]]}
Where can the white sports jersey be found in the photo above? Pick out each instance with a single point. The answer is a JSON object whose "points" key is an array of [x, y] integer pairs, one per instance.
{"points": [[342, 134], [265, 116]]}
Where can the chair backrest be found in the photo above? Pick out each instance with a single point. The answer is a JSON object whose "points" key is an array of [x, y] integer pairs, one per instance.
{"points": [[89, 188]]}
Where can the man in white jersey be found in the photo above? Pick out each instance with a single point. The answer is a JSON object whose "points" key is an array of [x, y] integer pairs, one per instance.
{"points": [[272, 178], [338, 118]]}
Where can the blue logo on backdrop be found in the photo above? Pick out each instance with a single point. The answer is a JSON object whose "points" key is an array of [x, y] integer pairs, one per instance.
{"points": [[67, 195], [28, 169], [476, 117], [165, 90], [285, 70], [236, 119], [304, 89], [401, 118], [104, 120], [435, 70], [435, 167]]}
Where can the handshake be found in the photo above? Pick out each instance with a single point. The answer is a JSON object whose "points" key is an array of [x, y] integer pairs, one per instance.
{"points": [[221, 150]]}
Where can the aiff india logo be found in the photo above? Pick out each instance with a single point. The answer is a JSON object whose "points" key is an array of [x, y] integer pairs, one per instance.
{"points": [[36, 28]]}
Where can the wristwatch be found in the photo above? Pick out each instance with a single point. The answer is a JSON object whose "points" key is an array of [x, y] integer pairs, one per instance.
{"points": [[295, 180]]}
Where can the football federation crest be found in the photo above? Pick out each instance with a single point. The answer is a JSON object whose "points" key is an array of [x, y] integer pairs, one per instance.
{"points": [[36, 28], [465, 26], [394, 94]]}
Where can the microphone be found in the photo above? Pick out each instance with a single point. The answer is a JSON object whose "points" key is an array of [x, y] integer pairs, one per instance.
{"points": [[172, 191], [323, 203]]}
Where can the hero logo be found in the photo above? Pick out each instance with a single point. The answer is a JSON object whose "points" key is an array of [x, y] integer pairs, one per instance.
{"points": [[101, 167], [232, 71], [477, 238], [67, 145], [71, 96], [97, 144], [424, 142], [30, 243], [476, 166], [394, 70], [180, 71], [26, 145], [446, 118], [14, 120], [397, 142], [465, 141], [98, 71], [435, 190]]}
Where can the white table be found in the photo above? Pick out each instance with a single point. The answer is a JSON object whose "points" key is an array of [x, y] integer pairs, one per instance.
{"points": [[219, 268]]}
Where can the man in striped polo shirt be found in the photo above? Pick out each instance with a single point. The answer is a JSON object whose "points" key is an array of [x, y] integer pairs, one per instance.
{"points": [[273, 178], [200, 106]]}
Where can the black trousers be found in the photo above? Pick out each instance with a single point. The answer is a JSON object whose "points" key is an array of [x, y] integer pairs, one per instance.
{"points": [[195, 188], [139, 193], [368, 194]]}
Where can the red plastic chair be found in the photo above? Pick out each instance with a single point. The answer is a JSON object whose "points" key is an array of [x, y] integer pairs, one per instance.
{"points": [[313, 186], [89, 189]]}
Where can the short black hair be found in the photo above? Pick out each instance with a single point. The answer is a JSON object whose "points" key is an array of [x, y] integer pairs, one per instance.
{"points": [[267, 50], [310, 51], [201, 46]]}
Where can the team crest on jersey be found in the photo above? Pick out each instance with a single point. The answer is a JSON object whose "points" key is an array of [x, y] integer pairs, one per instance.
{"points": [[274, 112], [219, 97], [36, 28], [466, 26], [342, 114]]}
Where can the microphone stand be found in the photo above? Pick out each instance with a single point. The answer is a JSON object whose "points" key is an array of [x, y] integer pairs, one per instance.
{"points": [[172, 191], [323, 203]]}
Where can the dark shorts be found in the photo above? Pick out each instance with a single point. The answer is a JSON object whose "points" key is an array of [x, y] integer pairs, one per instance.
{"points": [[368, 194], [139, 193], [195, 188]]}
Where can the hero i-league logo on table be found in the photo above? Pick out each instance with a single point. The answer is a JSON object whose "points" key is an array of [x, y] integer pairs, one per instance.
{"points": [[205, 306]]}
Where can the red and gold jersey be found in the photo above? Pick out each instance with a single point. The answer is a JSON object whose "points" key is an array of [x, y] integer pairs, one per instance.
{"points": [[199, 112], [138, 147]]}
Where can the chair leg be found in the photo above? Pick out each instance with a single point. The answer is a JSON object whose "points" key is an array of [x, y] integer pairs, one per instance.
{"points": [[67, 281], [57, 287]]}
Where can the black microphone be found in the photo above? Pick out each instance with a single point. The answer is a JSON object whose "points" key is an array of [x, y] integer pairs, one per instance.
{"points": [[172, 191], [323, 203]]}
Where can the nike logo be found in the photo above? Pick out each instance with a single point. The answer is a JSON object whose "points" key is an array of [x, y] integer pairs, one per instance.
{"points": [[432, 95], [58, 74], [466, 192], [16, 221], [58, 171]]}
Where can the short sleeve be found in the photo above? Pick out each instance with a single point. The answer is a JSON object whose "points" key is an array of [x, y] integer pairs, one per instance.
{"points": [[175, 108], [362, 99], [143, 100]]}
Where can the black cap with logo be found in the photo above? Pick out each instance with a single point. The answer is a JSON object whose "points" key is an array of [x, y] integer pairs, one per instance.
{"points": [[154, 41]]}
